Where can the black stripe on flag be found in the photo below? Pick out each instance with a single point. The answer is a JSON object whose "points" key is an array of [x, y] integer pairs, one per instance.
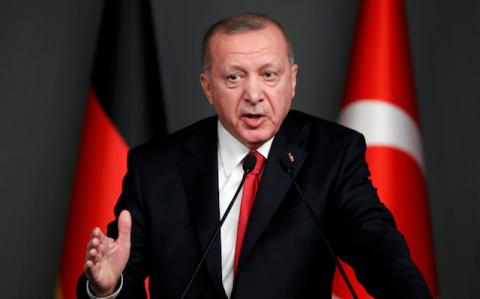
{"points": [[126, 73]]}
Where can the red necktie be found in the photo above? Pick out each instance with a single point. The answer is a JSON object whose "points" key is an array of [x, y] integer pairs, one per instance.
{"points": [[252, 181]]}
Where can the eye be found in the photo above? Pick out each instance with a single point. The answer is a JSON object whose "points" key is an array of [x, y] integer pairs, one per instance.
{"points": [[269, 75], [234, 77]]}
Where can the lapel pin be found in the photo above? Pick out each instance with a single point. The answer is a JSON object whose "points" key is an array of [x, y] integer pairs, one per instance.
{"points": [[290, 157]]}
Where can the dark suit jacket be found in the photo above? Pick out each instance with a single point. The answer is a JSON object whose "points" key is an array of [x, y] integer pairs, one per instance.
{"points": [[171, 190]]}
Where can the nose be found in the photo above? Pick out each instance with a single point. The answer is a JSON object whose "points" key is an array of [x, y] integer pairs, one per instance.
{"points": [[253, 92]]}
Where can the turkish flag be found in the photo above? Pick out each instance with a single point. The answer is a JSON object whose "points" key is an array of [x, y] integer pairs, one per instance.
{"points": [[380, 103], [124, 108]]}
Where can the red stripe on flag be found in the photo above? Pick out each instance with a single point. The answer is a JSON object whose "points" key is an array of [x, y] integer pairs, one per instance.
{"points": [[101, 166], [380, 60], [401, 187], [340, 289]]}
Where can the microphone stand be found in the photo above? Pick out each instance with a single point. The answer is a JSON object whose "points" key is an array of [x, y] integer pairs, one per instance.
{"points": [[248, 166], [287, 165]]}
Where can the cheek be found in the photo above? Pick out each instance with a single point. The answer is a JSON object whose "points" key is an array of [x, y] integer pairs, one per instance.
{"points": [[280, 103], [226, 104]]}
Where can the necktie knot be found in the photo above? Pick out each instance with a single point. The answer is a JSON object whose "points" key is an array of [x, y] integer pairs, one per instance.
{"points": [[260, 162]]}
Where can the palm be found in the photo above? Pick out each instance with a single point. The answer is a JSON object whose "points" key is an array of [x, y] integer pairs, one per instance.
{"points": [[106, 257], [112, 264]]}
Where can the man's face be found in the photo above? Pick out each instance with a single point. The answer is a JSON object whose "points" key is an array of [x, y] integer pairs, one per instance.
{"points": [[250, 83]]}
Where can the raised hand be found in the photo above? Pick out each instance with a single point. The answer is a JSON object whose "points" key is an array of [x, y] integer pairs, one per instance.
{"points": [[106, 258]]}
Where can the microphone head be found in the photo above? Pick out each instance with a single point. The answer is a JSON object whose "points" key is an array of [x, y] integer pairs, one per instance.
{"points": [[249, 163], [287, 163]]}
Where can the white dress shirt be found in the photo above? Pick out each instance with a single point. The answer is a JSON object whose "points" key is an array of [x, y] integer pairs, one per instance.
{"points": [[230, 171], [230, 153]]}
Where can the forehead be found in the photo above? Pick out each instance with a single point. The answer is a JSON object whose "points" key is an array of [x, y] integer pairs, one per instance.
{"points": [[269, 40]]}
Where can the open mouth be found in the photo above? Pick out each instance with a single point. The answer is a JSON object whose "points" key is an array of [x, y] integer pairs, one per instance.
{"points": [[253, 116], [253, 120]]}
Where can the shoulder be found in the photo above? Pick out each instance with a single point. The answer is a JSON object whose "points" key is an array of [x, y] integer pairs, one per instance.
{"points": [[167, 147], [320, 130]]}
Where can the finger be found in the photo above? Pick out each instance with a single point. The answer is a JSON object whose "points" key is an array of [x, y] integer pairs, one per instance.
{"points": [[96, 232], [92, 255], [98, 241], [96, 238], [103, 244], [91, 271], [88, 269], [124, 227], [93, 243]]}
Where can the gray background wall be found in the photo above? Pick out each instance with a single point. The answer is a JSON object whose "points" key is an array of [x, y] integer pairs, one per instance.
{"points": [[46, 51]]}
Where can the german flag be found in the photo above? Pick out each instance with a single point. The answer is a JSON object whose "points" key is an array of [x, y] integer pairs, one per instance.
{"points": [[124, 108]]}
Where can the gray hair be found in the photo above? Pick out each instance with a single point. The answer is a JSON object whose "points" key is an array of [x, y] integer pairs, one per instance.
{"points": [[244, 22]]}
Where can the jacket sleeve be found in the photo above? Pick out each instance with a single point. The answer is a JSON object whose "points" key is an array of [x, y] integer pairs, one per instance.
{"points": [[367, 237]]}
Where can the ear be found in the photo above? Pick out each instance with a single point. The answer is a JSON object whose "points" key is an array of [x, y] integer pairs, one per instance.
{"points": [[207, 88], [293, 78]]}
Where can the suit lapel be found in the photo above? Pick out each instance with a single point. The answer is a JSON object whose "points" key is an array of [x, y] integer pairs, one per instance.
{"points": [[199, 168], [275, 182]]}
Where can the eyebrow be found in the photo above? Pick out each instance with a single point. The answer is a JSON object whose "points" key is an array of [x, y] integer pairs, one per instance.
{"points": [[236, 66], [266, 65]]}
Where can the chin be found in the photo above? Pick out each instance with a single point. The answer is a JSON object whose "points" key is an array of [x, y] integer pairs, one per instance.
{"points": [[253, 142]]}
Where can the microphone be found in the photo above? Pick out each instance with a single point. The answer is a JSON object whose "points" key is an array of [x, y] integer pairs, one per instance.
{"points": [[248, 165], [287, 165]]}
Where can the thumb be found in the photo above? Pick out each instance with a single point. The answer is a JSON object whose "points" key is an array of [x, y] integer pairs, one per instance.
{"points": [[124, 227]]}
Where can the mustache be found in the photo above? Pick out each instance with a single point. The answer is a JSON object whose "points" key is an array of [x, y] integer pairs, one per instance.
{"points": [[259, 108]]}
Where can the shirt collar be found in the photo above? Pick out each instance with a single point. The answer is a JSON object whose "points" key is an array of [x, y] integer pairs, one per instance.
{"points": [[231, 151]]}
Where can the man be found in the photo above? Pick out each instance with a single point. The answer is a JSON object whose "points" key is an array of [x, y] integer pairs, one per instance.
{"points": [[177, 189]]}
